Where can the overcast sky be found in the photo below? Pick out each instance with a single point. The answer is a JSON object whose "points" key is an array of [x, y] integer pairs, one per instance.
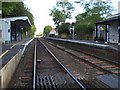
{"points": [[41, 10]]}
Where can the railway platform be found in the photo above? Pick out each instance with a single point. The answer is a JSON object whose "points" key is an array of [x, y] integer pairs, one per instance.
{"points": [[111, 45], [9, 50]]}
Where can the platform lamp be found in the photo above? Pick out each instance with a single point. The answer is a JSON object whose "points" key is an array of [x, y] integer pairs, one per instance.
{"points": [[72, 25], [71, 29], [71, 22]]}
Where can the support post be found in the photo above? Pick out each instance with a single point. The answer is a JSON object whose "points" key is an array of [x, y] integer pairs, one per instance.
{"points": [[119, 33], [73, 30], [73, 33], [11, 32], [106, 33], [21, 33], [96, 34], [15, 32]]}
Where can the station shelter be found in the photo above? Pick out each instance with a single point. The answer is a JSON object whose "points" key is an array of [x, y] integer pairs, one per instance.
{"points": [[12, 28], [109, 29]]}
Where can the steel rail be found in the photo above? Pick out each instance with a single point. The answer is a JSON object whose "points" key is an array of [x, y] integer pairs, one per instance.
{"points": [[34, 68], [98, 67], [116, 63], [79, 84]]}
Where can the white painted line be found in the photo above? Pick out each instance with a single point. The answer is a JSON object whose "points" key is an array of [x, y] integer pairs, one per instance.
{"points": [[4, 53], [26, 45], [12, 46], [7, 51]]}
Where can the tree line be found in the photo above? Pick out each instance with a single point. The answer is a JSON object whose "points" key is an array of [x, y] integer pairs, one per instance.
{"points": [[94, 11]]}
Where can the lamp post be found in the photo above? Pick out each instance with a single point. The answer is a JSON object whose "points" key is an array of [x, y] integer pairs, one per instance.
{"points": [[73, 36], [72, 30]]}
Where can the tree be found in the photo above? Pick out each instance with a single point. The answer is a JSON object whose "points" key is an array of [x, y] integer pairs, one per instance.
{"points": [[18, 9], [64, 28], [47, 29], [67, 8], [95, 10], [61, 12], [97, 7], [58, 16], [32, 29]]}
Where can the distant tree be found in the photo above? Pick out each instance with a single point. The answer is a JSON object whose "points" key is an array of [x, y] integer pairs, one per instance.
{"points": [[47, 29], [58, 16], [61, 12], [64, 28], [67, 8]]}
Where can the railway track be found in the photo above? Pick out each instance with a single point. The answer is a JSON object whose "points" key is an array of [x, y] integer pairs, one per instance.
{"points": [[91, 70], [103, 67], [44, 71], [51, 74]]}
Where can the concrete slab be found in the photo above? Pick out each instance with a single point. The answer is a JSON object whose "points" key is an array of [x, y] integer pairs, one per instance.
{"points": [[110, 80]]}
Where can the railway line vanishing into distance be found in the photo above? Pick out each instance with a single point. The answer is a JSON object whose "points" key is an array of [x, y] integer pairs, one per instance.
{"points": [[47, 70], [51, 73]]}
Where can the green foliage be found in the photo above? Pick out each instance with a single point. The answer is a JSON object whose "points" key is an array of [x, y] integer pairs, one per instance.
{"points": [[67, 8], [64, 28], [59, 16], [18, 9], [67, 5], [32, 30], [84, 30], [97, 7], [95, 10], [47, 29]]}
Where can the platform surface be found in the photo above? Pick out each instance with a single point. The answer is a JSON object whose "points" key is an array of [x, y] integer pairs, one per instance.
{"points": [[9, 50], [112, 81]]}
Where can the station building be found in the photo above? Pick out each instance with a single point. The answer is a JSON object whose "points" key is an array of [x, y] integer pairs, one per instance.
{"points": [[111, 31], [11, 28], [53, 33]]}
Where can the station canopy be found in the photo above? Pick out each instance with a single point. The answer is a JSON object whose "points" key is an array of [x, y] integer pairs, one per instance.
{"points": [[23, 21], [114, 17]]}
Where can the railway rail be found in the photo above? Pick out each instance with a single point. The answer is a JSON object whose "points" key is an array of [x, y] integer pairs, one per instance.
{"points": [[44, 71], [51, 74], [95, 67], [104, 67]]}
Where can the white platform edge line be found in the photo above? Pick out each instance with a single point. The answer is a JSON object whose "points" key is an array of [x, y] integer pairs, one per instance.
{"points": [[26, 45]]}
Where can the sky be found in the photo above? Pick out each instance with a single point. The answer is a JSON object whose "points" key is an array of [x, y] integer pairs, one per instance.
{"points": [[41, 10]]}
